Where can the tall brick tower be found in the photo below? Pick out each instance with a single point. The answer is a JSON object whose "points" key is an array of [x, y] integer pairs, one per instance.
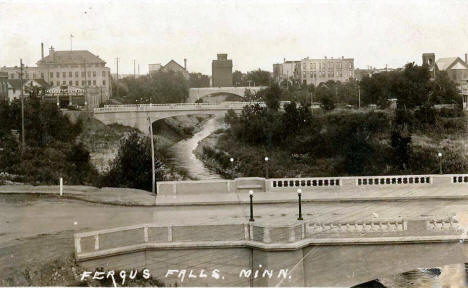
{"points": [[221, 69]]}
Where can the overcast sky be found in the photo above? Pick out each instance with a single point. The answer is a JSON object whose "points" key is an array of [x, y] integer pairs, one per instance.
{"points": [[255, 34]]}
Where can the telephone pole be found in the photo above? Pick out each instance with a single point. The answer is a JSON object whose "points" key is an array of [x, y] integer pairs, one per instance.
{"points": [[23, 132], [117, 80], [152, 156], [134, 70]]}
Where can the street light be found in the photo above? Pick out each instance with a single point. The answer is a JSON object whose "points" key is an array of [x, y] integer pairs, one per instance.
{"points": [[251, 206], [299, 194], [266, 167], [440, 161]]}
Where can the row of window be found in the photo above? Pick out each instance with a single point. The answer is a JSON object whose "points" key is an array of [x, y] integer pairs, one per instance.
{"points": [[57, 75], [331, 66], [70, 74], [323, 74], [75, 65], [77, 83]]}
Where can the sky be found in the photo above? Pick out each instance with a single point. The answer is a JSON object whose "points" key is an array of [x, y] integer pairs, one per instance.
{"points": [[254, 34]]}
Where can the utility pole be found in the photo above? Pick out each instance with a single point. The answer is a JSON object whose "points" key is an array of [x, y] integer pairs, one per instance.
{"points": [[134, 71], [152, 156], [23, 132], [359, 96], [71, 42], [117, 80], [86, 86]]}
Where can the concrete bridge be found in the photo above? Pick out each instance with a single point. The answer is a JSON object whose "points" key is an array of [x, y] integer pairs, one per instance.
{"points": [[136, 115], [299, 254], [197, 93], [278, 253]]}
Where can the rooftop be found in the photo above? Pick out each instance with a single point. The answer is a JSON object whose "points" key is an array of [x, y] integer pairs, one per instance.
{"points": [[70, 57]]}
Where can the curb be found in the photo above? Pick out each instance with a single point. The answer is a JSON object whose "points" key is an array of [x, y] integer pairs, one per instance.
{"points": [[244, 202]]}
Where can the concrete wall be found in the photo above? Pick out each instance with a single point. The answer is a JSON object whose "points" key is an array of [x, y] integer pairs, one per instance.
{"points": [[258, 184]]}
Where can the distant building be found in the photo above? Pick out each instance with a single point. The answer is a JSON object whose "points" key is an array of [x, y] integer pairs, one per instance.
{"points": [[14, 87], [221, 70], [315, 71], [3, 86], [79, 68], [170, 66], [456, 68], [290, 70]]}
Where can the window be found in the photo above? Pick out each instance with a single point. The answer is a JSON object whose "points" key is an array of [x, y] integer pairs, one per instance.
{"points": [[70, 74], [103, 73], [76, 74], [51, 74], [89, 82], [64, 74], [64, 82], [42, 75], [58, 83], [82, 83], [94, 73], [12, 76], [94, 82], [70, 83], [34, 75], [57, 74], [103, 82]]}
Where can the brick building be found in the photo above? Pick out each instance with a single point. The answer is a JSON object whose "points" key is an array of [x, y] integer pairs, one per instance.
{"points": [[221, 71]]}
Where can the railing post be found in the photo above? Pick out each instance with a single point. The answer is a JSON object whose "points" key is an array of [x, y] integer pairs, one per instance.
{"points": [[169, 233], [96, 242]]}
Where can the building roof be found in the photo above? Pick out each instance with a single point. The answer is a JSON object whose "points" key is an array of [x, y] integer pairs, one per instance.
{"points": [[172, 61], [71, 57], [16, 83], [450, 63]]}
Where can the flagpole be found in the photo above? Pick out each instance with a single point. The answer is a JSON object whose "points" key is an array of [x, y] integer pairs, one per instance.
{"points": [[71, 42]]}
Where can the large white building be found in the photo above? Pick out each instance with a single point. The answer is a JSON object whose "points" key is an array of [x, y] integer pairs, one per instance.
{"points": [[70, 70], [315, 71]]}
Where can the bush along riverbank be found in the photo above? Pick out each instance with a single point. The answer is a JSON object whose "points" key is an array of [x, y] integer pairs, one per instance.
{"points": [[339, 143]]}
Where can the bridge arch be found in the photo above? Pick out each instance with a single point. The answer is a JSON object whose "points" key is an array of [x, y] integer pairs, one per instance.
{"points": [[197, 93]]}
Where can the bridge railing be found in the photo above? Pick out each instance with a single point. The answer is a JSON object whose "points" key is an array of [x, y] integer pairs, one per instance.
{"points": [[230, 235], [179, 106], [259, 184]]}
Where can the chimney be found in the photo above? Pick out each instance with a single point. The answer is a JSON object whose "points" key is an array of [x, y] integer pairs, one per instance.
{"points": [[466, 58], [42, 51], [52, 53], [185, 63]]}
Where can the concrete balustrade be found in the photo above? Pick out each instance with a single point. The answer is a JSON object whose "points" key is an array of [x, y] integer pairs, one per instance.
{"points": [[258, 184], [139, 236]]}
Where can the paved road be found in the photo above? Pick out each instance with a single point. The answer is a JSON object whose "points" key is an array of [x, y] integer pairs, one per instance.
{"points": [[26, 215]]}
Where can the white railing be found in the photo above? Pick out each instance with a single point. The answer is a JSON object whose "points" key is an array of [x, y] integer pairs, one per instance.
{"points": [[179, 106]]}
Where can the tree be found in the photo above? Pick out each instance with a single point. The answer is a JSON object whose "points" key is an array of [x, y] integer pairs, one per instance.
{"points": [[401, 144], [259, 77], [158, 87], [444, 90], [271, 96], [198, 80], [239, 79], [326, 97], [132, 167]]}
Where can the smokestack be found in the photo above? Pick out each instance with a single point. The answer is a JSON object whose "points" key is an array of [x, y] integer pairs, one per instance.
{"points": [[185, 63], [42, 51], [466, 58]]}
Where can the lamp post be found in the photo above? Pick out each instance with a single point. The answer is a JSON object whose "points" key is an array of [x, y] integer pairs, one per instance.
{"points": [[299, 194], [251, 206], [266, 166], [440, 161], [152, 157], [232, 166]]}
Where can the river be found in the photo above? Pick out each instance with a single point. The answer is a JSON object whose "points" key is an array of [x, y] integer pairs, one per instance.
{"points": [[182, 152]]}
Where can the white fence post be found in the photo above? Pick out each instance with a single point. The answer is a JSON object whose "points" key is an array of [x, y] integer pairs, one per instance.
{"points": [[61, 186]]}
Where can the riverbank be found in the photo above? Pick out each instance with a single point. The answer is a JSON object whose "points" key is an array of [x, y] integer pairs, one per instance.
{"points": [[103, 141]]}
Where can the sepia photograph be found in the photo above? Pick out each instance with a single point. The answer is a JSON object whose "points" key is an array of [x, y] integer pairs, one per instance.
{"points": [[234, 143]]}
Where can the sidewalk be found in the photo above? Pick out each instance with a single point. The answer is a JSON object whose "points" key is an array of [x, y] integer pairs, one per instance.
{"points": [[135, 197]]}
